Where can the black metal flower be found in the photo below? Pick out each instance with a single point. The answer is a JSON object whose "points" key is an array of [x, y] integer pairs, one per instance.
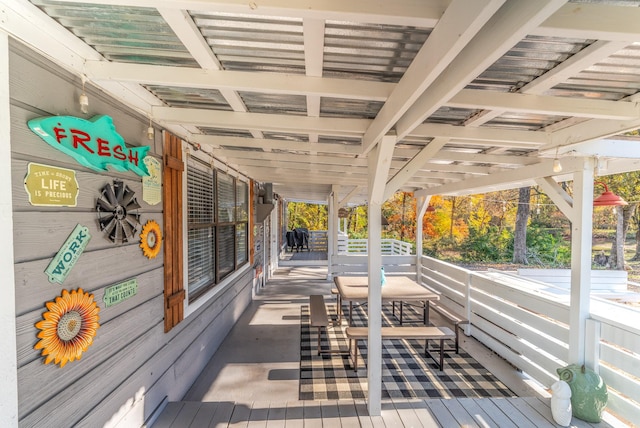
{"points": [[117, 208]]}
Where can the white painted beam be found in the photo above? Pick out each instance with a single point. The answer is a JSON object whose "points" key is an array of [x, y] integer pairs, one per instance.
{"points": [[266, 82], [415, 164], [399, 12], [271, 144], [505, 28], [379, 163], [507, 179], [544, 104], [460, 22], [500, 137], [558, 195], [261, 121]]}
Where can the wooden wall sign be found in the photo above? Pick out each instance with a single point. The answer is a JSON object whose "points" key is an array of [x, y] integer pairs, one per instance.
{"points": [[92, 143], [68, 255], [117, 293], [50, 186]]}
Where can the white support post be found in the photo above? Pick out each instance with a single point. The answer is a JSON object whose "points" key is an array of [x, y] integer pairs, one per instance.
{"points": [[422, 202], [332, 233], [581, 236], [374, 309], [8, 361], [592, 347]]}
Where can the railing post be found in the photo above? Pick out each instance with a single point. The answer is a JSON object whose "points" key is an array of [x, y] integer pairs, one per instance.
{"points": [[467, 302], [593, 332]]}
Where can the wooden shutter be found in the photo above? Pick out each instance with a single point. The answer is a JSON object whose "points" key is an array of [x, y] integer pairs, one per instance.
{"points": [[173, 239]]}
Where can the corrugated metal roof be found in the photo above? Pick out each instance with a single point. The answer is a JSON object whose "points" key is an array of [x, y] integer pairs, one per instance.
{"points": [[359, 47]]}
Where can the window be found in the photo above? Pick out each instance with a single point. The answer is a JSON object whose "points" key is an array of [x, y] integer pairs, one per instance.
{"points": [[217, 211]]}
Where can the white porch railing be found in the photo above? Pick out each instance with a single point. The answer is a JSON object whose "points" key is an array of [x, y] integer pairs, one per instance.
{"points": [[361, 246], [529, 327]]}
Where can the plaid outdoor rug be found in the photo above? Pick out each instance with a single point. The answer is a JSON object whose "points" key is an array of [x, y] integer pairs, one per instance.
{"points": [[406, 372]]}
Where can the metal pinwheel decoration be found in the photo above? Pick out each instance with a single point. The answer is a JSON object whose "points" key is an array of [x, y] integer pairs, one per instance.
{"points": [[117, 209]]}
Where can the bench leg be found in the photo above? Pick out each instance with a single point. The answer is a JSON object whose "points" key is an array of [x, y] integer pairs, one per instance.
{"points": [[354, 354], [319, 332], [428, 353], [455, 327]]}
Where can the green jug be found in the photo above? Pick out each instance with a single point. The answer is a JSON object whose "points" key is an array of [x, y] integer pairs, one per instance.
{"points": [[588, 392]]}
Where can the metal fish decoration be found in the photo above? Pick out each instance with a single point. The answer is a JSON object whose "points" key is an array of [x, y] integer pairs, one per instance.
{"points": [[92, 143]]}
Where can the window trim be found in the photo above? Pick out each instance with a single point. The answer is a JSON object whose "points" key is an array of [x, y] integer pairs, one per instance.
{"points": [[204, 296]]}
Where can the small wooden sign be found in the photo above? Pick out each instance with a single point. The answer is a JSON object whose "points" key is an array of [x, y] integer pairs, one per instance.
{"points": [[68, 255], [152, 184], [117, 293], [50, 186]]}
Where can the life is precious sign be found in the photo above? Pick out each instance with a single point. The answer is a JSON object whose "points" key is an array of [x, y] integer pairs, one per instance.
{"points": [[50, 186]]}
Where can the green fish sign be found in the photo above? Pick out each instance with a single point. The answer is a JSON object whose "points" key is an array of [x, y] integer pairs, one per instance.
{"points": [[92, 143]]}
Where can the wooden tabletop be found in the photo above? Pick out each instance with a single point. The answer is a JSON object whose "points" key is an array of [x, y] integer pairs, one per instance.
{"points": [[395, 288]]}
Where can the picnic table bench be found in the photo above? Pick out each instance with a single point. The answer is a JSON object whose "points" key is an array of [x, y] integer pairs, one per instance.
{"points": [[428, 333]]}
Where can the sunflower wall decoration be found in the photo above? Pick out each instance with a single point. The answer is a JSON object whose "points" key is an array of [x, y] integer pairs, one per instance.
{"points": [[151, 239], [117, 210], [68, 327]]}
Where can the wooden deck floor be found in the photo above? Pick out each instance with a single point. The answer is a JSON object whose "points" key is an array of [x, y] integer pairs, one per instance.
{"points": [[462, 412]]}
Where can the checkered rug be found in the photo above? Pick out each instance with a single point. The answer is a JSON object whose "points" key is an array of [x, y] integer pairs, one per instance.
{"points": [[406, 372]]}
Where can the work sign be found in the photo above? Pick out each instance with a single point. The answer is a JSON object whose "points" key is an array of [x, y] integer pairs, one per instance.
{"points": [[50, 186], [92, 143], [68, 255], [119, 292]]}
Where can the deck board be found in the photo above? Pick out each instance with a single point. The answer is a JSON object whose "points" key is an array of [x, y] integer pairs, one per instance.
{"points": [[460, 414], [294, 417], [277, 415], [511, 412]]}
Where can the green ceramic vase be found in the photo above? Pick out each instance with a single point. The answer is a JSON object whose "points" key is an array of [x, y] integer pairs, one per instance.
{"points": [[588, 392]]}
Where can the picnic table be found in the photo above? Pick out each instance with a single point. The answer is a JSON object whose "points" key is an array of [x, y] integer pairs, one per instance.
{"points": [[355, 289]]}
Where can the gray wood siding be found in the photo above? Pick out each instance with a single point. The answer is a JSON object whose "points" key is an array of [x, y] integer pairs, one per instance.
{"points": [[132, 365]]}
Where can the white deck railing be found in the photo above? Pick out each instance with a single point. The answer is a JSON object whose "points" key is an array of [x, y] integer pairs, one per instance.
{"points": [[361, 246], [528, 325]]}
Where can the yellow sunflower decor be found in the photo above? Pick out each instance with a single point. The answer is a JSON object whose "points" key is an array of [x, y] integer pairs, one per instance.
{"points": [[68, 327], [151, 239]]}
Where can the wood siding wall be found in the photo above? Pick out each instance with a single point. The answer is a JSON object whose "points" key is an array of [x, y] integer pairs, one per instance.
{"points": [[133, 365]]}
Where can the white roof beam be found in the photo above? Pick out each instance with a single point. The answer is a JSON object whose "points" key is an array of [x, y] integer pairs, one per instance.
{"points": [[270, 83], [288, 157], [313, 30], [592, 21], [398, 12], [543, 104], [270, 144], [460, 22], [379, 163], [506, 27], [415, 164], [563, 71], [261, 121], [511, 138], [507, 179]]}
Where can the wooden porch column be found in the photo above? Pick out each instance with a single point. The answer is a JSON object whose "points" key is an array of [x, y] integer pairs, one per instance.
{"points": [[8, 361], [581, 237], [422, 202]]}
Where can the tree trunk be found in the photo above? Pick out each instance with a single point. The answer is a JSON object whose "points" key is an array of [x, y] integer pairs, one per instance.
{"points": [[522, 218], [617, 246]]}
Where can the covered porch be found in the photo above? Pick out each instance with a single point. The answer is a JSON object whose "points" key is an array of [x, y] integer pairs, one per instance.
{"points": [[254, 379]]}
